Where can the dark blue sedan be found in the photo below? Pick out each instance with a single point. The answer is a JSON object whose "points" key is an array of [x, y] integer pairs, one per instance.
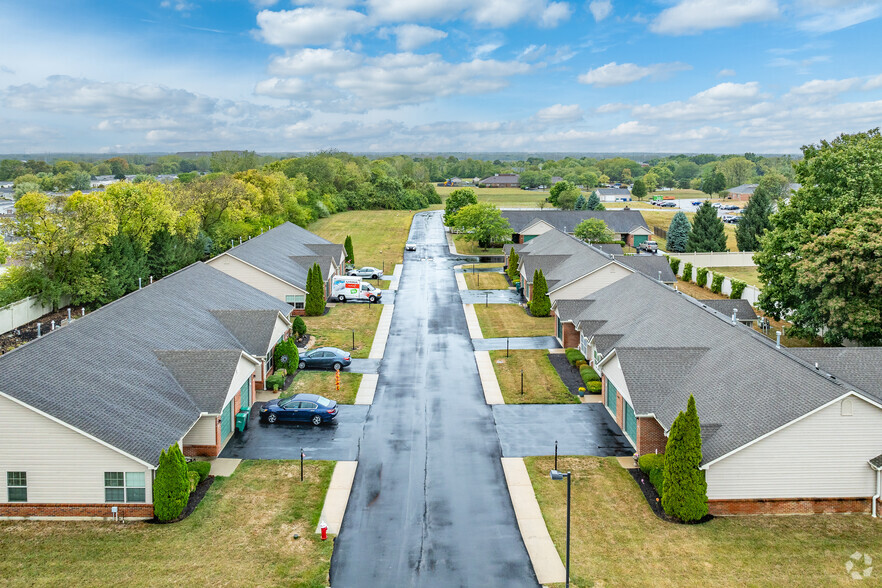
{"points": [[306, 408], [326, 358]]}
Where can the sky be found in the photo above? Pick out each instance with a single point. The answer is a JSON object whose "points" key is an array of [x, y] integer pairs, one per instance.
{"points": [[691, 76]]}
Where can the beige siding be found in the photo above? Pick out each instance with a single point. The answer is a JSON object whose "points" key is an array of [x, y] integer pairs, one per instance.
{"points": [[204, 432], [612, 369], [591, 283], [539, 228], [823, 455], [243, 371], [280, 329], [254, 277], [62, 465]]}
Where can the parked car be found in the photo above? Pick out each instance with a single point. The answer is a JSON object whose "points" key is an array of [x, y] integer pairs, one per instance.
{"points": [[308, 408], [730, 207], [325, 357], [410, 247], [366, 272], [731, 218], [668, 203], [716, 204], [650, 246], [696, 203]]}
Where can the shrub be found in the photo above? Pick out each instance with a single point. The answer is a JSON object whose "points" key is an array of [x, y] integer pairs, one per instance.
{"points": [[275, 382], [200, 467], [675, 264], [685, 488], [701, 277], [574, 355], [588, 374], [580, 364], [171, 486], [594, 387], [651, 461], [737, 289], [285, 356], [717, 283], [657, 479], [193, 479], [687, 272], [540, 305], [298, 327]]}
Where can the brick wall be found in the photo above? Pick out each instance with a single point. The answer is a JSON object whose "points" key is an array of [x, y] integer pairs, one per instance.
{"points": [[620, 410], [28, 509], [201, 450], [650, 436], [570, 335], [782, 506]]}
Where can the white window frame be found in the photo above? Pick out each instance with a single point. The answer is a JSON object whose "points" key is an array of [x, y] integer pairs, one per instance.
{"points": [[126, 486], [10, 486]]}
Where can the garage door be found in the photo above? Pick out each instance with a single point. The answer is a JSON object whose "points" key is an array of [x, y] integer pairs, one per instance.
{"points": [[246, 393], [227, 420], [638, 239], [611, 397], [630, 422]]}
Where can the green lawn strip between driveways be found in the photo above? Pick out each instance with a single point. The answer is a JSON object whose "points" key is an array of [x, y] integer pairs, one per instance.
{"points": [[323, 383], [467, 247], [485, 281], [334, 329], [542, 385], [617, 541], [510, 320], [378, 236], [240, 535]]}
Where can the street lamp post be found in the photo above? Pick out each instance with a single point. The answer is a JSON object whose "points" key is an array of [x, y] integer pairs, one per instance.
{"points": [[556, 475], [353, 339]]}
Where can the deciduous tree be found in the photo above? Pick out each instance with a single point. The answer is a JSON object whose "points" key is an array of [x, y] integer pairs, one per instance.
{"points": [[456, 200], [566, 200], [594, 230], [484, 223], [639, 191]]}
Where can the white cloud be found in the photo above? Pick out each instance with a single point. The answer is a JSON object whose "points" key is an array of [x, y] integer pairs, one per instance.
{"points": [[614, 74], [823, 16], [410, 36], [633, 127], [554, 14], [309, 26], [612, 107], [726, 100], [314, 61], [873, 83], [560, 113], [488, 13], [485, 49], [600, 9], [537, 52], [726, 73], [179, 5], [689, 17], [821, 89]]}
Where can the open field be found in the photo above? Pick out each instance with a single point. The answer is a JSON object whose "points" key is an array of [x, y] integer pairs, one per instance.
{"points": [[502, 197], [486, 281], [335, 328], [241, 534], [467, 247], [542, 385], [322, 382], [510, 320], [378, 236], [618, 541], [745, 274]]}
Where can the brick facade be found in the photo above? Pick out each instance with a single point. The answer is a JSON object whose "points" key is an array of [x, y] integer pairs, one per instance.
{"points": [[28, 509], [620, 410], [650, 436], [570, 335], [782, 506]]}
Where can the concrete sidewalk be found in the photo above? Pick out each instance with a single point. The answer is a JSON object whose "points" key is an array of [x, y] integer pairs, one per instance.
{"points": [[396, 277], [451, 245], [223, 466], [460, 279], [366, 390], [472, 321], [378, 348], [492, 393], [337, 496], [543, 555]]}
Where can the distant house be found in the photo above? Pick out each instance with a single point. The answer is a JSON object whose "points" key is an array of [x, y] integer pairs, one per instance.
{"points": [[613, 194], [745, 191], [501, 181], [627, 225]]}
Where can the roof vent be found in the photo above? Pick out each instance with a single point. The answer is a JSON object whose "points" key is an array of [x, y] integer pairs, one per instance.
{"points": [[777, 339], [816, 365], [734, 316]]}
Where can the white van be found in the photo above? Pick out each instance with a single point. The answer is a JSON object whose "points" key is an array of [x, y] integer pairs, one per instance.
{"points": [[345, 288]]}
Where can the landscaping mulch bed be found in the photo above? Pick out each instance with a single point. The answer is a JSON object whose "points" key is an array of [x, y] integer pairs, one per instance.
{"points": [[654, 500], [570, 376], [28, 332], [195, 498]]}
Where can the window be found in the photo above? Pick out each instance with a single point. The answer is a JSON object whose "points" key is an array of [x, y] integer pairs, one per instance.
{"points": [[299, 301], [17, 486], [124, 487]]}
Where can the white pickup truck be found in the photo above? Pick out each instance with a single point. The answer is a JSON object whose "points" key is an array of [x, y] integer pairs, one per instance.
{"points": [[346, 288]]}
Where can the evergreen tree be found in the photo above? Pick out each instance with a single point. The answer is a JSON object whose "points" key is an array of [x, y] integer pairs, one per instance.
{"points": [[678, 233], [708, 233], [581, 203], [171, 486], [685, 489], [315, 292], [512, 269], [347, 246], [754, 221], [540, 305], [594, 202]]}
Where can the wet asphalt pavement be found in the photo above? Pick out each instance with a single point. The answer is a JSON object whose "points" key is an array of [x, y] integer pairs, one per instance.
{"points": [[429, 505], [363, 366]]}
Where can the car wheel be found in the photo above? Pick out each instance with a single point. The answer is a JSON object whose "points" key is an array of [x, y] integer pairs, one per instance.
{"points": [[373, 298], [338, 366], [316, 420], [302, 365], [341, 298], [375, 276], [271, 418]]}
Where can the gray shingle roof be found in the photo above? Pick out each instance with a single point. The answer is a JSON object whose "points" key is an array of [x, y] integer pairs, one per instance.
{"points": [[613, 191], [101, 376], [544, 262], [650, 265], [609, 248], [745, 310], [253, 328], [618, 221], [876, 462], [568, 309], [205, 375], [861, 366]]}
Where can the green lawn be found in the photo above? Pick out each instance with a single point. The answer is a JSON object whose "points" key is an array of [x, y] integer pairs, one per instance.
{"points": [[745, 274], [240, 535], [335, 328], [617, 541], [378, 236], [542, 385], [510, 320], [503, 197], [323, 383], [467, 247], [486, 281]]}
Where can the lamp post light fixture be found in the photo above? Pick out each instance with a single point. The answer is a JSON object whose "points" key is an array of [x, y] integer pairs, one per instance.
{"points": [[556, 475]]}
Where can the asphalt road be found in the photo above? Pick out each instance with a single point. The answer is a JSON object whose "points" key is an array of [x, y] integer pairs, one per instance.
{"points": [[429, 505], [500, 343]]}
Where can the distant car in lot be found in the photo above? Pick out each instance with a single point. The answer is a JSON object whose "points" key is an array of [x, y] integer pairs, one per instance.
{"points": [[308, 408], [730, 207], [410, 247], [731, 218], [650, 246], [716, 204], [366, 272], [325, 358], [668, 204], [696, 203]]}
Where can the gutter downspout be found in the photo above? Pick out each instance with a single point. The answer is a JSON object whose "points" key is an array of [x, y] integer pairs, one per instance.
{"points": [[878, 490]]}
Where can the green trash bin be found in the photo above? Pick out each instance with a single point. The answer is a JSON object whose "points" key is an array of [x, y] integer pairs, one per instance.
{"points": [[242, 419]]}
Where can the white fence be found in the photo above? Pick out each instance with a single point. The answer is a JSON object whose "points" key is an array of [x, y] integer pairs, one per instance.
{"points": [[22, 312], [750, 293], [725, 259]]}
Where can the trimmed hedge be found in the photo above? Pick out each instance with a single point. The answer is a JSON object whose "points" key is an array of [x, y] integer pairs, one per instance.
{"points": [[737, 289], [657, 479], [286, 349], [573, 355], [193, 478], [653, 464], [701, 277], [717, 283], [594, 387], [588, 374], [298, 326], [687, 272], [171, 486], [580, 364], [200, 467], [275, 382], [675, 264]]}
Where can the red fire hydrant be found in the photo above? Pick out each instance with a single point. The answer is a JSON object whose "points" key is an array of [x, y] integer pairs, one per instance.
{"points": [[324, 528]]}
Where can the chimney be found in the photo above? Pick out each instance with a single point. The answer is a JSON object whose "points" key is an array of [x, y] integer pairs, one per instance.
{"points": [[778, 340]]}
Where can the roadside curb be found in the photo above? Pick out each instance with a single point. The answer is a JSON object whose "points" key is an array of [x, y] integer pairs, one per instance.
{"points": [[489, 383], [396, 277], [460, 279], [472, 321], [543, 555], [337, 496], [378, 347], [366, 389], [451, 245]]}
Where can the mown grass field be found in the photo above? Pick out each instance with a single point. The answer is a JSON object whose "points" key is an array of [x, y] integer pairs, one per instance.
{"points": [[486, 281], [378, 236], [335, 328], [240, 535], [617, 541], [502, 197], [745, 274], [468, 247], [542, 385], [510, 320], [323, 383]]}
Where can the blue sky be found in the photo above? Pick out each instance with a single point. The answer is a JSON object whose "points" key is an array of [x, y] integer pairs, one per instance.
{"points": [[438, 75]]}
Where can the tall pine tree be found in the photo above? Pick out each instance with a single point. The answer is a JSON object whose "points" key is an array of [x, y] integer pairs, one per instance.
{"points": [[171, 486], [685, 489], [678, 233], [540, 304], [315, 291], [512, 269], [347, 247], [754, 221], [594, 202], [708, 233], [581, 203]]}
